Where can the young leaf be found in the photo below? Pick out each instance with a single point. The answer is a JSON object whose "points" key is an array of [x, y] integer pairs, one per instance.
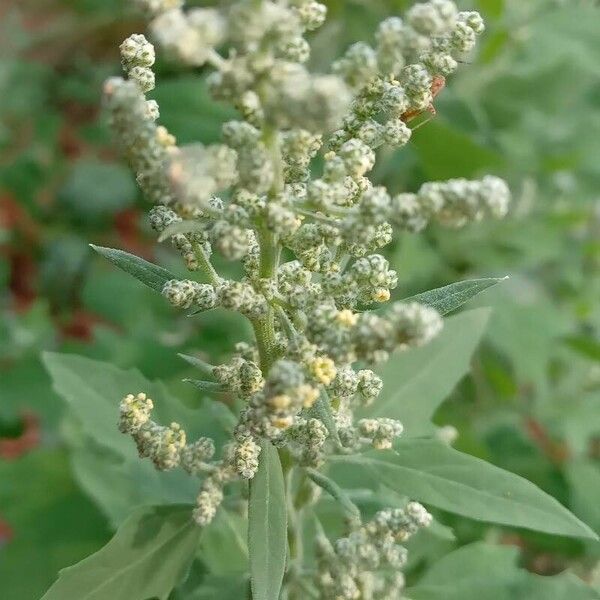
{"points": [[207, 386], [481, 571], [433, 473], [151, 275], [267, 526], [449, 298], [416, 382], [146, 558]]}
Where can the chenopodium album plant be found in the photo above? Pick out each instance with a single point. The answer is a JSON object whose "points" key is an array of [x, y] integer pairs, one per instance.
{"points": [[287, 194], [307, 239]]}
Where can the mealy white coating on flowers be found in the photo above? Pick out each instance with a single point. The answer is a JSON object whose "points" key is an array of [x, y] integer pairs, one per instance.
{"points": [[367, 562], [134, 412], [257, 197], [247, 452]]}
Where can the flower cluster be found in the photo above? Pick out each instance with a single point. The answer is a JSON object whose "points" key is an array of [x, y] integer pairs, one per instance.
{"points": [[287, 194], [367, 563], [162, 445]]}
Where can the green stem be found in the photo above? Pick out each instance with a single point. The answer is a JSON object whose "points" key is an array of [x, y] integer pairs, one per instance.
{"points": [[264, 330], [336, 492], [271, 141]]}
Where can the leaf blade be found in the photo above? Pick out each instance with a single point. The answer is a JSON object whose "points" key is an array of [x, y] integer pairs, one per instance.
{"points": [[433, 473], [149, 274], [416, 382], [126, 568], [493, 574], [267, 526], [450, 297]]}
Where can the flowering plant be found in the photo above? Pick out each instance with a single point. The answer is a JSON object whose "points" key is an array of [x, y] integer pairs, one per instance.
{"points": [[287, 194]]}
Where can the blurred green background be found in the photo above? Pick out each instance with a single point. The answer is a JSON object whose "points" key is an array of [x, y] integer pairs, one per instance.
{"points": [[528, 109]]}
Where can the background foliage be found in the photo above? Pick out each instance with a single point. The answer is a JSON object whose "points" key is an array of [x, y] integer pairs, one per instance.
{"points": [[526, 401]]}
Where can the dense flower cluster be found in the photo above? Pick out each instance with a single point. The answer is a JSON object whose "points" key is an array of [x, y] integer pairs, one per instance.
{"points": [[367, 563], [308, 237]]}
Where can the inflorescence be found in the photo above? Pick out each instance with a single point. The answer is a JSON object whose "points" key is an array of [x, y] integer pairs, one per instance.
{"points": [[287, 194]]}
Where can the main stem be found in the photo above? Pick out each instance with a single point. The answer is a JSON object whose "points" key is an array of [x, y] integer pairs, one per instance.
{"points": [[264, 331]]}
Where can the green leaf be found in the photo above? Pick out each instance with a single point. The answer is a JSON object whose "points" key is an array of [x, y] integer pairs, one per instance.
{"points": [[450, 297], [105, 460], [220, 588], [207, 386], [224, 544], [416, 382], [446, 152], [481, 571], [146, 558], [267, 526], [433, 473], [53, 524], [151, 275], [584, 483]]}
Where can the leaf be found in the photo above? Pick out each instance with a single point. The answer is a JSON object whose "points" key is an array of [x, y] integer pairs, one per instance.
{"points": [[446, 152], [207, 386], [416, 382], [267, 526], [529, 331], [448, 298], [584, 483], [46, 523], [151, 275], [224, 544], [146, 558], [481, 571], [105, 460], [220, 588], [433, 473]]}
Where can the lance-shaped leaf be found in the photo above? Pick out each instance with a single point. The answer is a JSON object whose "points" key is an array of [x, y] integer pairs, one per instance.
{"points": [[416, 382], [433, 473], [267, 526], [149, 274], [146, 558], [450, 297]]}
